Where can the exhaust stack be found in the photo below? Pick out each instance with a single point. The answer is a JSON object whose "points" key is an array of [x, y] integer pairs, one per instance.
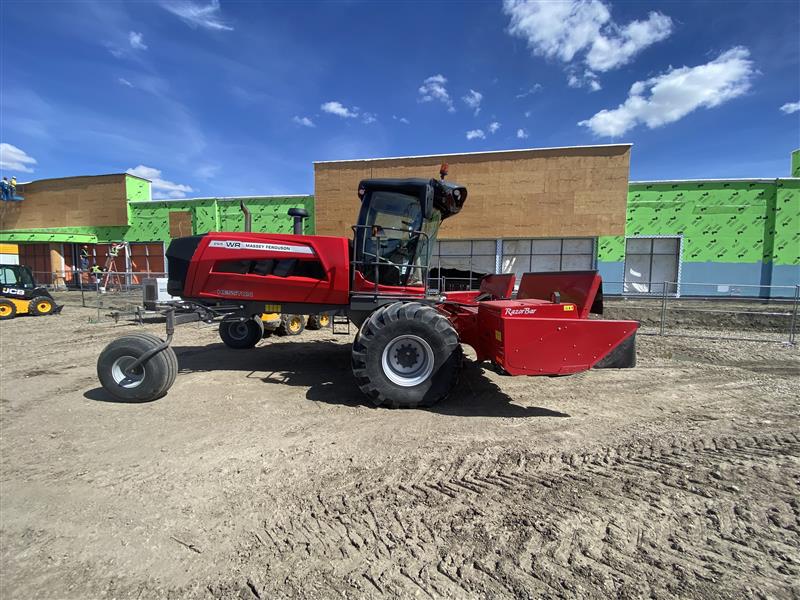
{"points": [[248, 218], [298, 214]]}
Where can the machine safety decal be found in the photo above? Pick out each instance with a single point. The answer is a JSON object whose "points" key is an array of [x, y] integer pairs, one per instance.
{"points": [[569, 307], [264, 247]]}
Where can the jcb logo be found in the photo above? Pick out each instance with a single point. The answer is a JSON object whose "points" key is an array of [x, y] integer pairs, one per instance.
{"points": [[13, 291]]}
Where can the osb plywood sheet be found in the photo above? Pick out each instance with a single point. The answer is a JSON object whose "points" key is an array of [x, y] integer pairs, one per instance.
{"points": [[180, 223], [70, 202], [563, 192]]}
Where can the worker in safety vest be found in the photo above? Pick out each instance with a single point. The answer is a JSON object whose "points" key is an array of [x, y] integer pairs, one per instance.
{"points": [[84, 258], [13, 187]]}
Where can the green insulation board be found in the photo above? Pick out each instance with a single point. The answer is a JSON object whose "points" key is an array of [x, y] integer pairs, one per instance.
{"points": [[720, 221], [149, 221]]}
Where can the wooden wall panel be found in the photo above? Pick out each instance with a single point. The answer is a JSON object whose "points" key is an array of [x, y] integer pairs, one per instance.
{"points": [[180, 223], [561, 192], [68, 202]]}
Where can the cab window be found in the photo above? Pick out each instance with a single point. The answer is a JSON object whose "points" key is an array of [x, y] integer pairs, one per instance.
{"points": [[7, 276]]}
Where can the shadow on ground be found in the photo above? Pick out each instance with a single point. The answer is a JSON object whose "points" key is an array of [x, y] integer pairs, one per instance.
{"points": [[324, 368], [99, 394]]}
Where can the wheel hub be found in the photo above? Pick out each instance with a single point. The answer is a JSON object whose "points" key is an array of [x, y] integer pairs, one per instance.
{"points": [[238, 330], [129, 380], [406, 356], [407, 360]]}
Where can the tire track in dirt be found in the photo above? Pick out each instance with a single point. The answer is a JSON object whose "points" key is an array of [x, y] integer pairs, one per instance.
{"points": [[636, 520]]}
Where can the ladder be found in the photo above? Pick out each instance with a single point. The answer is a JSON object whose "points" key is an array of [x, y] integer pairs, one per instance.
{"points": [[340, 324], [111, 272]]}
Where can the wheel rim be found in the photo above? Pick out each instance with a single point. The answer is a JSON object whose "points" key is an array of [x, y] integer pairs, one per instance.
{"points": [[407, 360], [133, 380], [5, 310], [324, 320], [44, 307], [238, 331], [294, 324]]}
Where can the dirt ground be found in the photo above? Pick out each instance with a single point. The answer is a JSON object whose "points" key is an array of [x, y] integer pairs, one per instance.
{"points": [[264, 474]]}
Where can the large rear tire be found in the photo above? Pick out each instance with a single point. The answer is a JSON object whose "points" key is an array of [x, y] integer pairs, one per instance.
{"points": [[148, 381], [406, 355], [241, 335], [8, 310]]}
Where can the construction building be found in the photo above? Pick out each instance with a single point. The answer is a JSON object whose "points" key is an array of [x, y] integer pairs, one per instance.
{"points": [[60, 219], [528, 210]]}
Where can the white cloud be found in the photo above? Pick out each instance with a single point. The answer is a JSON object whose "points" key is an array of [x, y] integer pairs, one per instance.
{"points": [[207, 172], [530, 91], [790, 107], [522, 134], [401, 119], [586, 79], [433, 88], [476, 134], [15, 159], [161, 188], [494, 126], [340, 110], [673, 95], [611, 51], [528, 113], [583, 31], [125, 82], [136, 41], [473, 100], [196, 14], [304, 121], [368, 118]]}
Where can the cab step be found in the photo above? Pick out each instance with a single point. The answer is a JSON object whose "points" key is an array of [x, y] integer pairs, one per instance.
{"points": [[340, 325]]}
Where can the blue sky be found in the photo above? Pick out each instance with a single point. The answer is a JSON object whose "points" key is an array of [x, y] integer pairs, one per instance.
{"points": [[239, 98]]}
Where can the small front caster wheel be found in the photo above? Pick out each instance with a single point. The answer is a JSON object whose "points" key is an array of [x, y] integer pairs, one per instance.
{"points": [[145, 382], [241, 334]]}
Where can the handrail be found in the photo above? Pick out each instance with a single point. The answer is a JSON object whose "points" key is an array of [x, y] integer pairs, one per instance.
{"points": [[376, 263]]}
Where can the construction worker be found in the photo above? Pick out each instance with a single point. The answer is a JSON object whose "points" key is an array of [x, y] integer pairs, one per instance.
{"points": [[5, 187], [84, 258], [113, 251], [13, 187]]}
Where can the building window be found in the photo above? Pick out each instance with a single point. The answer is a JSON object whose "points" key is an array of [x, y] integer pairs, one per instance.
{"points": [[650, 264], [556, 254], [463, 263], [470, 260]]}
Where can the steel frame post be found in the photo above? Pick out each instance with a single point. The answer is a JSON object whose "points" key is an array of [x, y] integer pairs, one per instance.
{"points": [[794, 314], [663, 307]]}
